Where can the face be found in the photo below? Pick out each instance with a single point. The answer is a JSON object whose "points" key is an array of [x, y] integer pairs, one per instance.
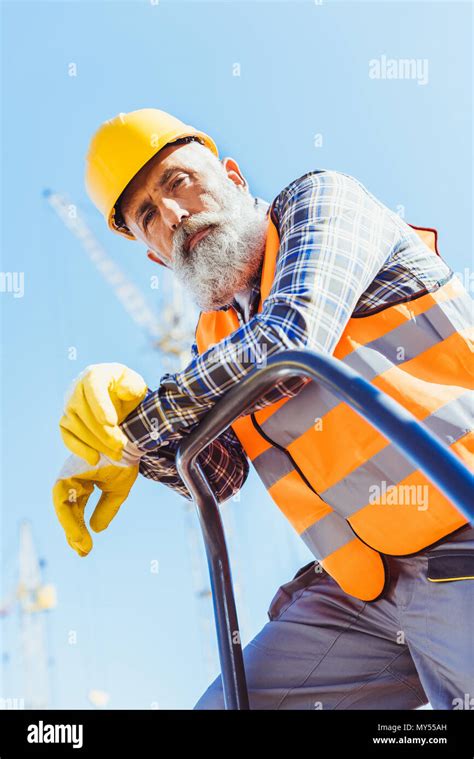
{"points": [[196, 216]]}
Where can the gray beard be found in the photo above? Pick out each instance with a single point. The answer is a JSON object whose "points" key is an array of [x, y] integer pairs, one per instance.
{"points": [[227, 259]]}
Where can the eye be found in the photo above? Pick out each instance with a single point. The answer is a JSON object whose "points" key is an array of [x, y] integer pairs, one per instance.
{"points": [[177, 182], [148, 217]]}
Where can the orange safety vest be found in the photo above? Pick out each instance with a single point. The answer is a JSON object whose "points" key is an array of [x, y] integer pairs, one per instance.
{"points": [[347, 491]]}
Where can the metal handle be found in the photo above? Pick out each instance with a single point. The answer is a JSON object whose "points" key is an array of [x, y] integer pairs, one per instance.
{"points": [[419, 445]]}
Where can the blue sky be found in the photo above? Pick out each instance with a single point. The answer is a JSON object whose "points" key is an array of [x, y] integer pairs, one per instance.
{"points": [[303, 71]]}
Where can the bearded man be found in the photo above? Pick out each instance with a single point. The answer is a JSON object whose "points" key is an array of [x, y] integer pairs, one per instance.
{"points": [[325, 267]]}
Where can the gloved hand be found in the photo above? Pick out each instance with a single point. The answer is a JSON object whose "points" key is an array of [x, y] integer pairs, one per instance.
{"points": [[102, 397], [75, 484]]}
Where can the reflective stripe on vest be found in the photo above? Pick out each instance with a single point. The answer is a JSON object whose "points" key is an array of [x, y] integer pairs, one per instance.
{"points": [[345, 488]]}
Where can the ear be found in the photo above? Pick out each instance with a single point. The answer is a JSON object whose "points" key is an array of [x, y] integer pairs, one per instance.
{"points": [[233, 172], [153, 257]]}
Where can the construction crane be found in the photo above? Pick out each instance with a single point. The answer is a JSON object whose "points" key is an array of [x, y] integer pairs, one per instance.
{"points": [[172, 336], [32, 598]]}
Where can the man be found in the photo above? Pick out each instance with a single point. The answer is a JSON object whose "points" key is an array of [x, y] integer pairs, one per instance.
{"points": [[326, 267]]}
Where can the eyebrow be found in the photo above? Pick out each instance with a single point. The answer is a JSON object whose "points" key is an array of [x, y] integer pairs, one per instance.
{"points": [[167, 174]]}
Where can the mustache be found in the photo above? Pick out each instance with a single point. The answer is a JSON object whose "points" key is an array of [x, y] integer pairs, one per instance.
{"points": [[195, 224]]}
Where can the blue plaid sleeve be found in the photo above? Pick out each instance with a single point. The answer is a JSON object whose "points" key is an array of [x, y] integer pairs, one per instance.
{"points": [[334, 238], [224, 464]]}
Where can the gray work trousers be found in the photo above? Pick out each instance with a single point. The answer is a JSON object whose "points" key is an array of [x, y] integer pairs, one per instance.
{"points": [[323, 649]]}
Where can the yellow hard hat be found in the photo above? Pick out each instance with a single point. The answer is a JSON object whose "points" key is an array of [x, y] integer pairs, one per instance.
{"points": [[119, 149]]}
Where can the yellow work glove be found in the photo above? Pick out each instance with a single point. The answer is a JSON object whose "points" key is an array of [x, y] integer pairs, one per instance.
{"points": [[74, 485], [102, 397]]}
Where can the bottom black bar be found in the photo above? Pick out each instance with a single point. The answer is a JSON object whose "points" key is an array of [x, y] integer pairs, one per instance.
{"points": [[152, 733]]}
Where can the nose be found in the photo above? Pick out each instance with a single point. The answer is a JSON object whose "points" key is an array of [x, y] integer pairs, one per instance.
{"points": [[173, 213]]}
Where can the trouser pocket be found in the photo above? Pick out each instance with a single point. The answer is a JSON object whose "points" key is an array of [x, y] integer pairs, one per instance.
{"points": [[448, 566], [285, 595]]}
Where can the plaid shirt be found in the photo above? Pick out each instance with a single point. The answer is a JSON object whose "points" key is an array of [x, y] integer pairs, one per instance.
{"points": [[342, 253]]}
